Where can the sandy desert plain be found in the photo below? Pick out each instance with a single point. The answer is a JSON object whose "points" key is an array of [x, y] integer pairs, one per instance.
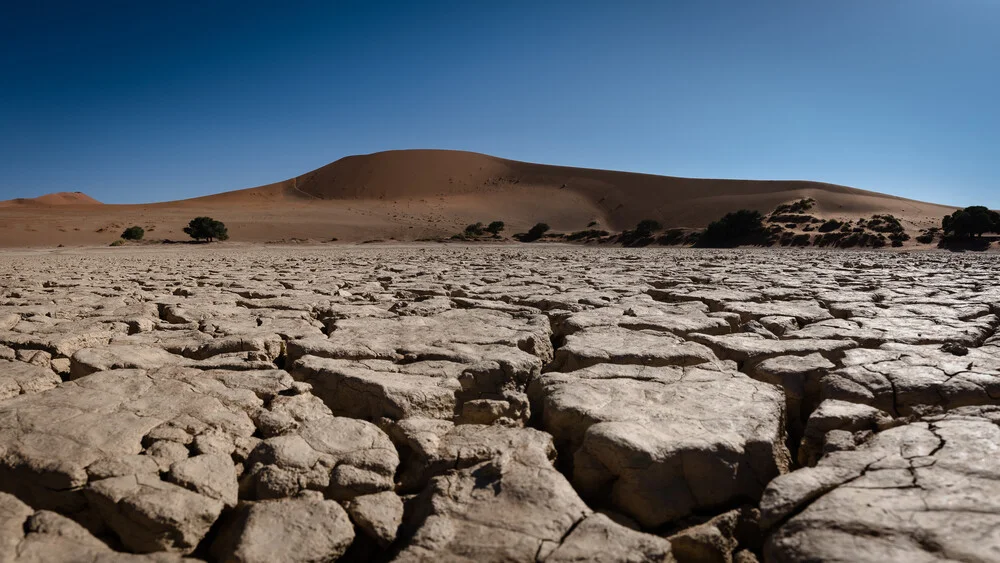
{"points": [[503, 402]]}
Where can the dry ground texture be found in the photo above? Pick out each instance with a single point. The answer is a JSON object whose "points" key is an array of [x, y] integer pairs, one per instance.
{"points": [[498, 404]]}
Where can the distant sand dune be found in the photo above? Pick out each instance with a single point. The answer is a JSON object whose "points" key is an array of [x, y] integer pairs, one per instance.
{"points": [[47, 200], [427, 193]]}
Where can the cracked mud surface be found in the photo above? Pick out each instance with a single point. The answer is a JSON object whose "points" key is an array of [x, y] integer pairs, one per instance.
{"points": [[499, 404]]}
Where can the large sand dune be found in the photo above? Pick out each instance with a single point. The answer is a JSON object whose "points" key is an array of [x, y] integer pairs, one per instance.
{"points": [[415, 194]]}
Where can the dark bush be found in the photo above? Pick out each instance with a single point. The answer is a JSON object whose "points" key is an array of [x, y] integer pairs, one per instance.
{"points": [[738, 227], [647, 227], [134, 233], [495, 228], [830, 225], [474, 230], [830, 239], [801, 240], [971, 221], [799, 206], [672, 236], [641, 235], [534, 233], [884, 224], [206, 228], [790, 218], [589, 234]]}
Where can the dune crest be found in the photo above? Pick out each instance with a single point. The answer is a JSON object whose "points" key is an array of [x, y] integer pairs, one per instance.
{"points": [[413, 194], [59, 198]]}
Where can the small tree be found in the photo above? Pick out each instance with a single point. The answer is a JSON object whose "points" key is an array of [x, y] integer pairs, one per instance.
{"points": [[971, 221], [495, 227], [206, 228], [533, 234], [474, 230], [134, 233], [538, 230], [647, 227]]}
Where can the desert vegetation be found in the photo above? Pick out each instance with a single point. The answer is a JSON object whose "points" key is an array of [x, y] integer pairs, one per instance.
{"points": [[495, 228], [476, 231], [971, 222], [745, 226], [642, 234], [534, 233], [133, 233], [206, 228]]}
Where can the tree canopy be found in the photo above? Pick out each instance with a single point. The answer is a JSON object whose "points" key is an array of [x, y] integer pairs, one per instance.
{"points": [[733, 228], [134, 233], [533, 234], [495, 227], [206, 228], [971, 221]]}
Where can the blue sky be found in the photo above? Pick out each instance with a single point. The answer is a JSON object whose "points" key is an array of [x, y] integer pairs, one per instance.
{"points": [[149, 101]]}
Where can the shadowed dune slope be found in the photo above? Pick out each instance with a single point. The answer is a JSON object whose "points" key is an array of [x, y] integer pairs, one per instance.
{"points": [[622, 197], [411, 194]]}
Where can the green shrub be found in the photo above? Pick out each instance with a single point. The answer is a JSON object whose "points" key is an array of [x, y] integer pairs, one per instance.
{"points": [[206, 228], [971, 221], [830, 225], [799, 206], [118, 242], [134, 233], [884, 224]]}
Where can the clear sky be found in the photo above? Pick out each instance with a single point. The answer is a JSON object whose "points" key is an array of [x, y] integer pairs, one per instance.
{"points": [[152, 100]]}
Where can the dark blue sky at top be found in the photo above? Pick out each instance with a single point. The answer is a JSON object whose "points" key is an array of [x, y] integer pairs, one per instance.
{"points": [[137, 101]]}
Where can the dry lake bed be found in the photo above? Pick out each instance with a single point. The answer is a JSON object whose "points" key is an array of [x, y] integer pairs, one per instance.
{"points": [[518, 403]]}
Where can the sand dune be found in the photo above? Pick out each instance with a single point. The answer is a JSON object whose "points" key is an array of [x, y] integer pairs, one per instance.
{"points": [[56, 199], [414, 194]]}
